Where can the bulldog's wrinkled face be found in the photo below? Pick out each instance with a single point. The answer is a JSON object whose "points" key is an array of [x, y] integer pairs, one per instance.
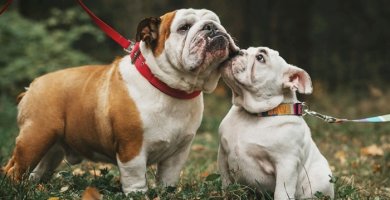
{"points": [[260, 79], [204, 41], [191, 43]]}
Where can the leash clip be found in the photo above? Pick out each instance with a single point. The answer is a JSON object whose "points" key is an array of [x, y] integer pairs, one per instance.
{"points": [[326, 118]]}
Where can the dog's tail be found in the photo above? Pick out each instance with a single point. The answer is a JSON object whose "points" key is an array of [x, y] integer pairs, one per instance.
{"points": [[20, 97]]}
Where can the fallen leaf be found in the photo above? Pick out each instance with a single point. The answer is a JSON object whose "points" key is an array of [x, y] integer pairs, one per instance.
{"points": [[95, 172], [355, 164], [53, 198], [372, 150], [376, 168], [91, 193], [386, 146], [41, 187], [64, 189], [78, 172], [341, 156], [204, 174], [198, 147], [220, 91], [105, 166]]}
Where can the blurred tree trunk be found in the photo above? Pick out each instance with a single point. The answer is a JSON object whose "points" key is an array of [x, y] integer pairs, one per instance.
{"points": [[248, 19], [289, 30]]}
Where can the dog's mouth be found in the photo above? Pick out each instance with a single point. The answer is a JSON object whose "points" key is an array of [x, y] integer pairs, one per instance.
{"points": [[216, 41], [233, 54]]}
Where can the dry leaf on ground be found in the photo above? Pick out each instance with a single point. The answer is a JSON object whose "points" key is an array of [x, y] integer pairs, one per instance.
{"points": [[78, 172], [341, 156], [372, 150], [91, 193]]}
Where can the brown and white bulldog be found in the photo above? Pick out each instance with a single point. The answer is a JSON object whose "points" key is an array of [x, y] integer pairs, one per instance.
{"points": [[112, 113]]}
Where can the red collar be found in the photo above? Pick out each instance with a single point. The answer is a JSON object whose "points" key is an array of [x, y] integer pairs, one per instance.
{"points": [[139, 61]]}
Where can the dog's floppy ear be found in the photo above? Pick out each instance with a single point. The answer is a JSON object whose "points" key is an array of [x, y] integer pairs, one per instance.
{"points": [[147, 31], [297, 79]]}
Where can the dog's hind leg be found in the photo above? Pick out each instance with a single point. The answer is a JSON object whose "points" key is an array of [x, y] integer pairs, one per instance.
{"points": [[48, 163], [33, 142]]}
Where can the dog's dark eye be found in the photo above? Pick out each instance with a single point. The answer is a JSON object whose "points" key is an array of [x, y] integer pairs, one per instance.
{"points": [[260, 58], [184, 28]]}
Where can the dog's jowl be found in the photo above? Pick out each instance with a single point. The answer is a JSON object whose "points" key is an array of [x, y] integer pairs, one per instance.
{"points": [[114, 114], [264, 141]]}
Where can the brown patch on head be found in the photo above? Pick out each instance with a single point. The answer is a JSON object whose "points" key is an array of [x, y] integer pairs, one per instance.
{"points": [[155, 31], [147, 31], [164, 32]]}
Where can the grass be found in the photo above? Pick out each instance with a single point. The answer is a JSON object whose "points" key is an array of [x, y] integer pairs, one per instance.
{"points": [[359, 172]]}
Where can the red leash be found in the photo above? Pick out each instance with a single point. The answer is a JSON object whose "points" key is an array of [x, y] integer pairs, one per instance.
{"points": [[5, 7], [118, 38], [138, 59], [136, 56]]}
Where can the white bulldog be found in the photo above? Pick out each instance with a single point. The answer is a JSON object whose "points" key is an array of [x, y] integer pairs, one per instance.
{"points": [[115, 113], [264, 142]]}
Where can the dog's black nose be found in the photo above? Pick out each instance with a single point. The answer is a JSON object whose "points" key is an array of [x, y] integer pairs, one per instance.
{"points": [[211, 28]]}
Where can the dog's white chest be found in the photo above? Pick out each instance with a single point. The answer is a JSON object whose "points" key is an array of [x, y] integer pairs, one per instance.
{"points": [[169, 129], [168, 123]]}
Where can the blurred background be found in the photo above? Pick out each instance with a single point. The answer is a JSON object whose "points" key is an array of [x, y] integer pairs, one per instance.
{"points": [[343, 45]]}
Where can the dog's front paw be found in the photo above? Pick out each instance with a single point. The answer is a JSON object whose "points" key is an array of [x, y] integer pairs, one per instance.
{"points": [[135, 189]]}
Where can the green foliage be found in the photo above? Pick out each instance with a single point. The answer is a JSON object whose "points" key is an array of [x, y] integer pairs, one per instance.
{"points": [[69, 186], [8, 128], [31, 48]]}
